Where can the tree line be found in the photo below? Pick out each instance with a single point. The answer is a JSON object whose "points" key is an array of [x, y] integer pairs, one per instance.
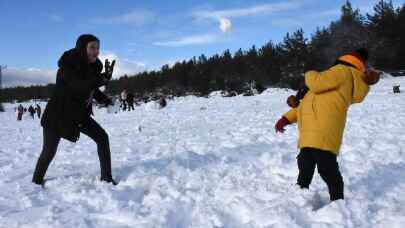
{"points": [[273, 65]]}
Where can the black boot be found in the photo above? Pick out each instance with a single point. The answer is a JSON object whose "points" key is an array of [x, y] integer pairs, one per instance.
{"points": [[39, 182], [109, 180]]}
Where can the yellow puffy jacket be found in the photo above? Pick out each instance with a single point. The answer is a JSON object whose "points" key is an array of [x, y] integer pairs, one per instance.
{"points": [[321, 115]]}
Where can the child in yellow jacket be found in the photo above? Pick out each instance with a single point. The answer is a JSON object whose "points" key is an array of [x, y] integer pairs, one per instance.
{"points": [[321, 117]]}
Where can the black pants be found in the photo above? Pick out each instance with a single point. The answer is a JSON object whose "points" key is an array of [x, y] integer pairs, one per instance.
{"points": [[328, 168], [51, 140], [131, 106]]}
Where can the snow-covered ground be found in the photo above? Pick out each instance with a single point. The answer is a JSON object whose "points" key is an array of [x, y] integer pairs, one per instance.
{"points": [[205, 163]]}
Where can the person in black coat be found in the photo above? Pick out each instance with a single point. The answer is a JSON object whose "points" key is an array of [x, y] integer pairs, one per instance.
{"points": [[20, 112], [130, 101], [38, 110], [68, 112], [31, 110]]}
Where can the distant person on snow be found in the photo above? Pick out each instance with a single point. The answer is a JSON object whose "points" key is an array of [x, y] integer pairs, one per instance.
{"points": [[130, 101], [38, 110], [68, 112], [20, 112], [124, 97], [31, 110], [162, 102], [321, 117]]}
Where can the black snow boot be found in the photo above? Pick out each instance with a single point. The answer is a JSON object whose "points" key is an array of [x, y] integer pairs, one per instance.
{"points": [[109, 180], [39, 182]]}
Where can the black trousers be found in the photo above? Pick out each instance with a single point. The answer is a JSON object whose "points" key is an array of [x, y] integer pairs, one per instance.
{"points": [[328, 169], [124, 105], [51, 140], [131, 106]]}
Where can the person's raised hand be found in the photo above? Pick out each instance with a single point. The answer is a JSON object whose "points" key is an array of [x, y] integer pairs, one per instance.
{"points": [[372, 77], [109, 69]]}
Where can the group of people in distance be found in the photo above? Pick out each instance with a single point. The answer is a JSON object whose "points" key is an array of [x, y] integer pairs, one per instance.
{"points": [[20, 110]]}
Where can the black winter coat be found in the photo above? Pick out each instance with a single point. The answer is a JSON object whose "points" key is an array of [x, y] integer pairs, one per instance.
{"points": [[77, 82]]}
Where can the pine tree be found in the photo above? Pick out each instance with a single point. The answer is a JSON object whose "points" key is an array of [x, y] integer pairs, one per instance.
{"points": [[348, 33], [270, 61], [295, 58], [401, 45], [384, 26], [384, 20], [320, 56]]}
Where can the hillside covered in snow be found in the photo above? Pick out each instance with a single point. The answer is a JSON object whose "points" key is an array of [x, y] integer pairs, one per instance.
{"points": [[204, 163]]}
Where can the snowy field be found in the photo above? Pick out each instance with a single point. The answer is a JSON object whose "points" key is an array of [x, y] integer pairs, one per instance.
{"points": [[205, 163]]}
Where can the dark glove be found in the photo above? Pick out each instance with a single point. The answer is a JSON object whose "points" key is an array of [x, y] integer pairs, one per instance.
{"points": [[281, 123], [292, 101], [372, 77], [109, 69]]}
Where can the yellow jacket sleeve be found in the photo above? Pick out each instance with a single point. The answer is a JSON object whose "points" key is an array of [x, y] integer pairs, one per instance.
{"points": [[360, 88], [319, 82], [292, 115]]}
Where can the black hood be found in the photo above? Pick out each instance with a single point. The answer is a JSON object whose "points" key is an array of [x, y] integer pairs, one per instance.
{"points": [[83, 40], [78, 55]]}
